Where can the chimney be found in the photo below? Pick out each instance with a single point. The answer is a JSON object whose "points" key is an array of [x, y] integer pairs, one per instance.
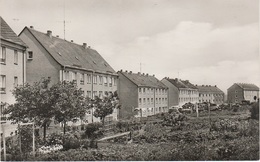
{"points": [[202, 85], [120, 70], [146, 74], [49, 33], [57, 36], [89, 47], [215, 85], [31, 27], [153, 75], [126, 71], [84, 45], [138, 73], [187, 80], [143, 74], [130, 72], [210, 85], [71, 41]]}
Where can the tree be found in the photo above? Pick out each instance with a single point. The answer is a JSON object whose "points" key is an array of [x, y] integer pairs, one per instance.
{"points": [[70, 102], [105, 106], [33, 103]]}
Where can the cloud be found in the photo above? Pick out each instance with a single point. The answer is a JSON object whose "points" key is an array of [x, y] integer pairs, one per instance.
{"points": [[191, 48]]}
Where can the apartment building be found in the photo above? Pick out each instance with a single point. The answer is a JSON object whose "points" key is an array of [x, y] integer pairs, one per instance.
{"points": [[239, 92], [142, 93], [211, 94], [12, 64], [59, 59], [180, 91]]}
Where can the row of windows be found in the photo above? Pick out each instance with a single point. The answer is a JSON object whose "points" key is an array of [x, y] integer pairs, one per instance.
{"points": [[188, 92], [151, 91], [157, 109], [3, 56], [3, 83], [150, 101], [214, 100], [97, 79], [216, 95], [188, 99], [100, 94]]}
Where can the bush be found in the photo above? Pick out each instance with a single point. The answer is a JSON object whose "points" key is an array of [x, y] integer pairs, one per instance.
{"points": [[93, 130]]}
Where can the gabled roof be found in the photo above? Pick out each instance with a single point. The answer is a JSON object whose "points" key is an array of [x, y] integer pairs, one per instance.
{"points": [[181, 83], [8, 34], [209, 89], [70, 54], [247, 86], [143, 80]]}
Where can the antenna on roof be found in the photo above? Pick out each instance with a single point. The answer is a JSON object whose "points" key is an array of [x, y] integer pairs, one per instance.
{"points": [[64, 22]]}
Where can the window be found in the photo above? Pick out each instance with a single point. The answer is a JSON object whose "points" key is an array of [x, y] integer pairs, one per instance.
{"points": [[2, 83], [140, 90], [160, 101], [156, 100], [88, 78], [15, 57], [144, 101], [82, 78], [95, 94], [89, 93], [100, 94], [144, 90], [74, 76], [66, 75], [151, 100], [110, 81], [15, 81], [148, 101], [100, 80], [94, 79], [115, 80], [30, 55], [140, 101], [3, 55], [105, 81]]}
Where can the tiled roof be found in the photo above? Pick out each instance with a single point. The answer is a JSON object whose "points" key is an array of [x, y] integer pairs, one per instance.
{"points": [[8, 34], [247, 86], [70, 54], [143, 79], [181, 83], [209, 89]]}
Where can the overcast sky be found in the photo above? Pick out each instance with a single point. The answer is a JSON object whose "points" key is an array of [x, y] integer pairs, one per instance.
{"points": [[212, 42]]}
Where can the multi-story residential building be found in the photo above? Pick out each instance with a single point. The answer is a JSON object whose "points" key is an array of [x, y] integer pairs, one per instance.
{"points": [[239, 92], [59, 59], [180, 91], [12, 63], [141, 92], [210, 94]]}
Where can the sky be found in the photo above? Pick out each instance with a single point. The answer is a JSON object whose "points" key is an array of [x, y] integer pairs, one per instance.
{"points": [[208, 42]]}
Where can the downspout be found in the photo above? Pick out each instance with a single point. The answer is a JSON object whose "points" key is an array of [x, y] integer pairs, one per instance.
{"points": [[23, 68], [92, 87]]}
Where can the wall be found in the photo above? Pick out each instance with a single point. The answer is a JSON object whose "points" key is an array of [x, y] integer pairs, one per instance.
{"points": [[11, 70], [42, 64], [128, 95], [235, 94], [173, 93]]}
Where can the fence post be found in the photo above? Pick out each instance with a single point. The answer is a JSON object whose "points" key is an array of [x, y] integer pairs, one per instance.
{"points": [[3, 127]]}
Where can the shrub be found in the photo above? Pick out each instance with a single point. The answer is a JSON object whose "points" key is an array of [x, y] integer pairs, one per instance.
{"points": [[92, 130]]}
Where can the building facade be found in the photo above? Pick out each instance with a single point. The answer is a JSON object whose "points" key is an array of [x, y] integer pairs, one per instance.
{"points": [[12, 64], [210, 94], [239, 92], [180, 91], [62, 60], [142, 93]]}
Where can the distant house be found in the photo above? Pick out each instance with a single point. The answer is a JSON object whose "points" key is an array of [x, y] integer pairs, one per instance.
{"points": [[142, 93], [239, 92], [62, 60], [180, 91], [12, 63], [210, 94]]}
